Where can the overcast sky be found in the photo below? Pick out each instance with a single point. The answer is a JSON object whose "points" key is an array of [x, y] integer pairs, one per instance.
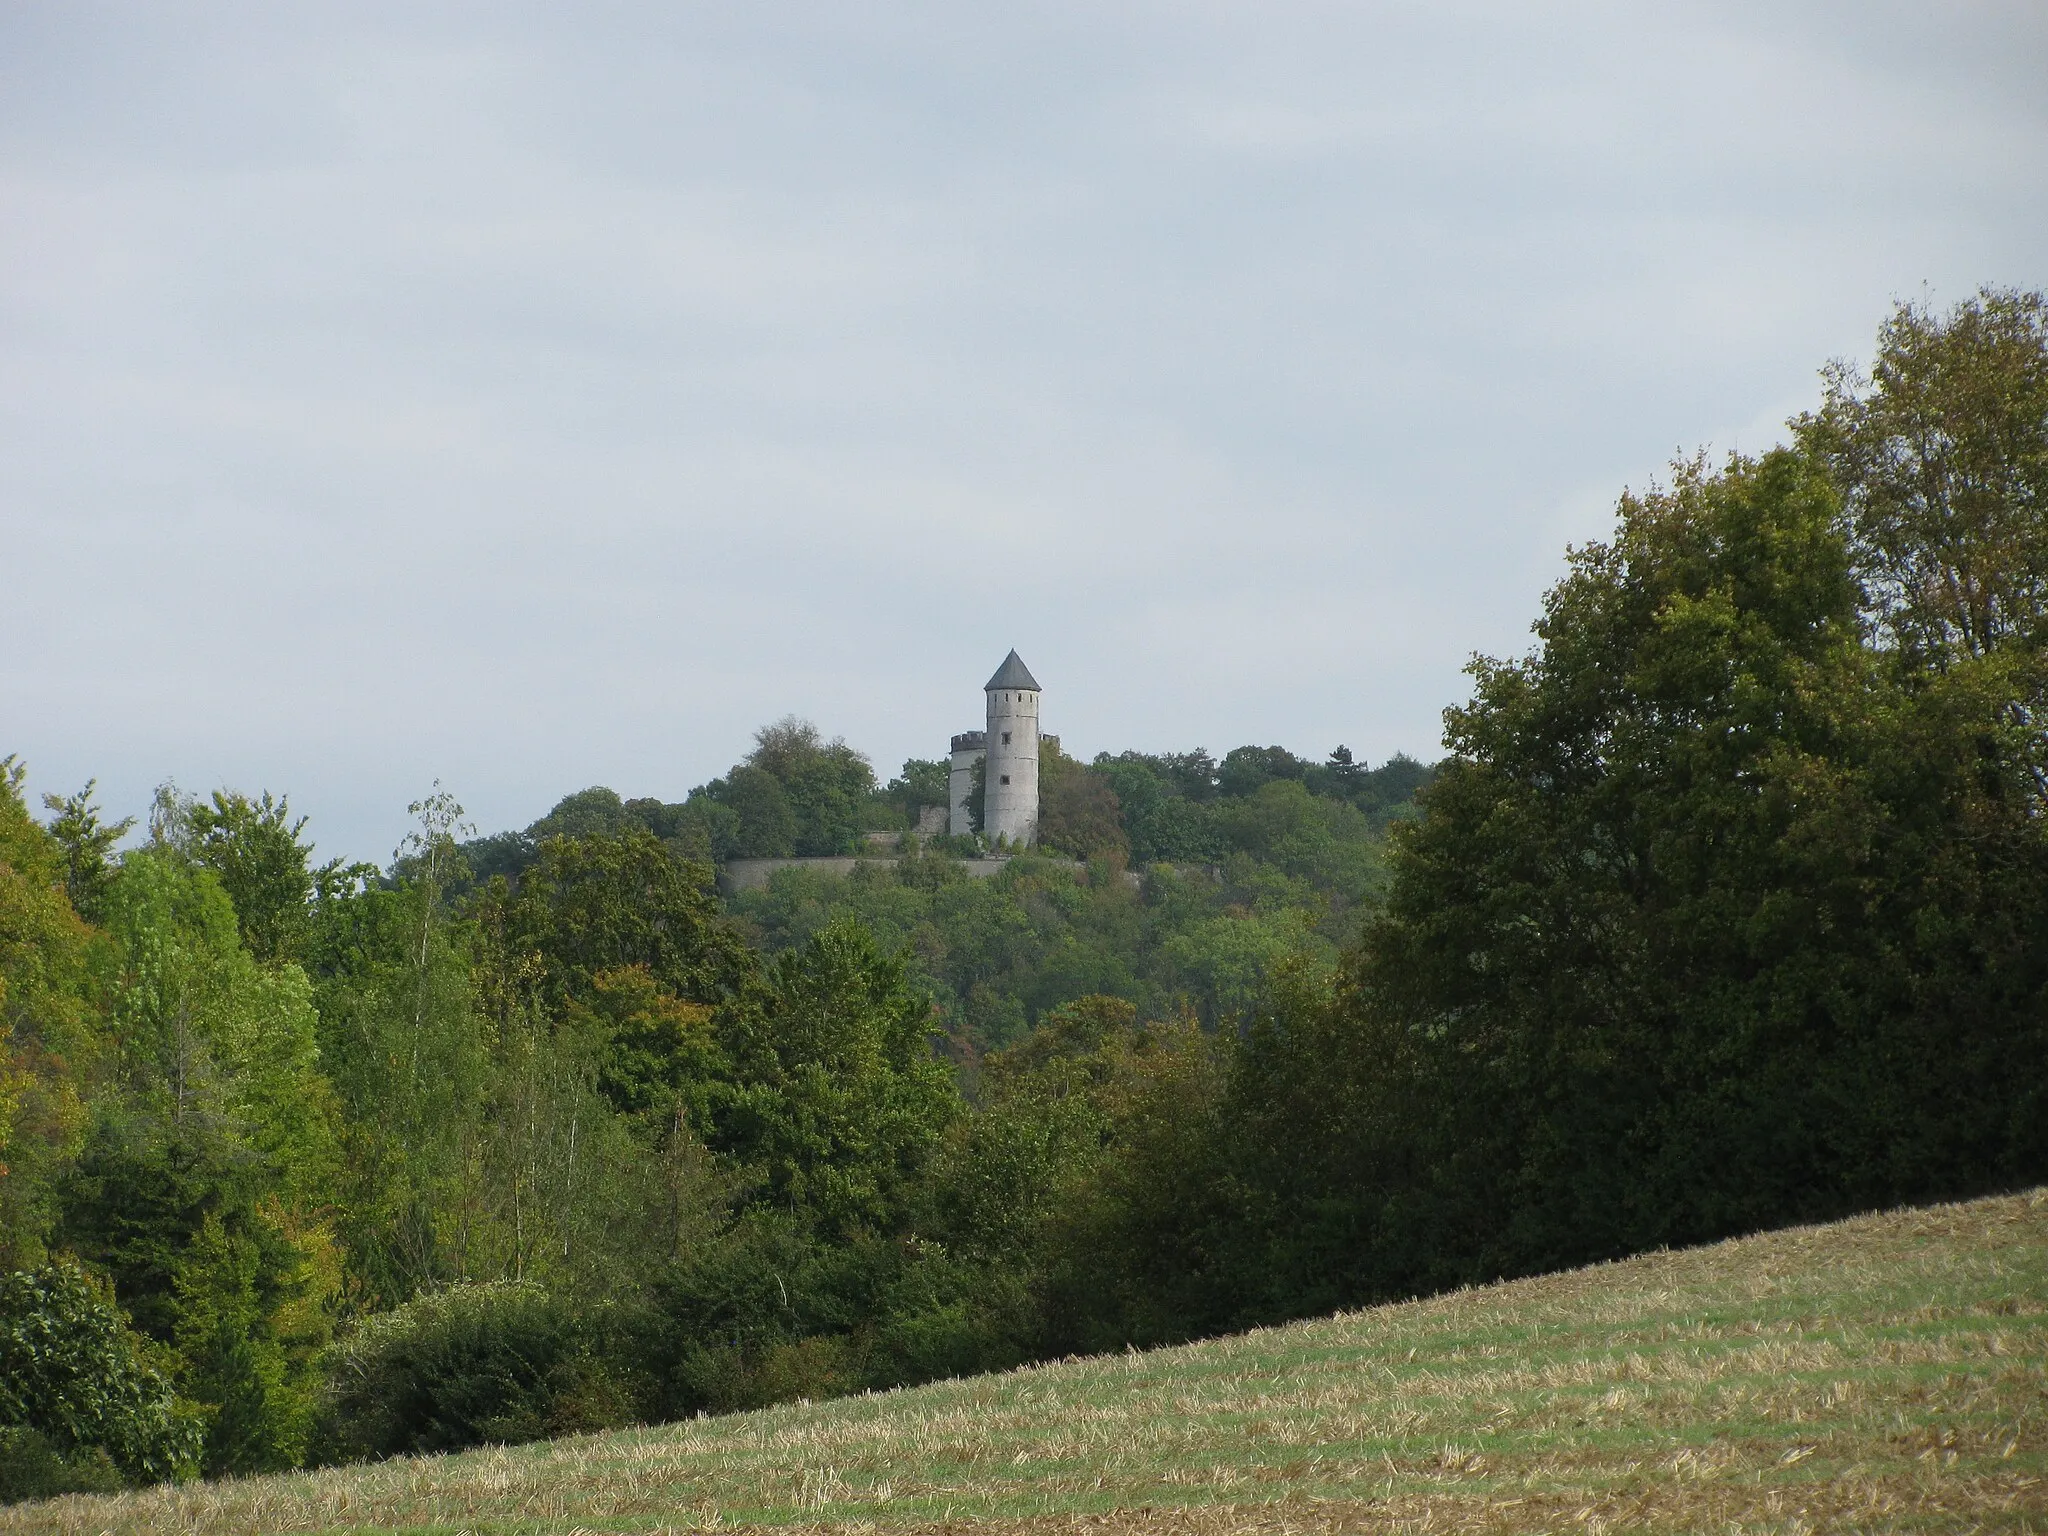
{"points": [[530, 396]]}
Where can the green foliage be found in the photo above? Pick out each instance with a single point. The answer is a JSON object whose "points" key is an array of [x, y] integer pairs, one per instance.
{"points": [[1247, 770], [595, 903], [1079, 813], [181, 1217], [798, 794], [495, 1363], [52, 1024], [227, 1286], [1163, 823], [1942, 458], [1225, 964], [519, 1070], [81, 1385], [205, 1029], [925, 781], [1000, 954], [654, 1047], [766, 823], [1109, 1128], [196, 1189], [409, 1055], [976, 803], [87, 841], [707, 831], [31, 1467], [835, 1095], [700, 830], [1325, 842], [253, 848], [1713, 920], [593, 812]]}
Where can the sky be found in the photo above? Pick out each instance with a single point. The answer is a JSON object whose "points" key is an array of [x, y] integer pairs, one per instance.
{"points": [[521, 397]]}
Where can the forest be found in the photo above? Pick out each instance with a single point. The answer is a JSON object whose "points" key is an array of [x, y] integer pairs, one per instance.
{"points": [[1726, 907]]}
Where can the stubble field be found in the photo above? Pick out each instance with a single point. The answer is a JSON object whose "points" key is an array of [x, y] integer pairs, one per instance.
{"points": [[1888, 1373]]}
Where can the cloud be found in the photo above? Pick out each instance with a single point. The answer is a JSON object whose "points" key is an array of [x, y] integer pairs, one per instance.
{"points": [[535, 396]]}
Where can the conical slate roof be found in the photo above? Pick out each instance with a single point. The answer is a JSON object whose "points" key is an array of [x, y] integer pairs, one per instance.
{"points": [[1012, 674]]}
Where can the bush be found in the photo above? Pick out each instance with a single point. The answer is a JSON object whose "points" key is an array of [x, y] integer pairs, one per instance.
{"points": [[31, 1467], [498, 1363], [76, 1379]]}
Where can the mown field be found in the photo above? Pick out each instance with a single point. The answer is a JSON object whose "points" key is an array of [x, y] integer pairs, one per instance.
{"points": [[1887, 1373]]}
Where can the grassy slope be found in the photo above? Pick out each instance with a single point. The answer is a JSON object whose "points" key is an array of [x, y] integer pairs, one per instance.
{"points": [[1885, 1373]]}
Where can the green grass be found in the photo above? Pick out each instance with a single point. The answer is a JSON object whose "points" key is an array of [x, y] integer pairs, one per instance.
{"points": [[1885, 1373]]}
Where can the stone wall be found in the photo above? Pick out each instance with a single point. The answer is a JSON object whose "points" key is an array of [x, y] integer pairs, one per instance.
{"points": [[754, 874]]}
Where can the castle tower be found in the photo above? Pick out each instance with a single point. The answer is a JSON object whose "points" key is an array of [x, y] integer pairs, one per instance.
{"points": [[968, 748], [1010, 809]]}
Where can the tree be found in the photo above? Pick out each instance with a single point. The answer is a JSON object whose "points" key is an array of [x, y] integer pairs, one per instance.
{"points": [[1246, 769], [925, 782], [1163, 821], [591, 905], [826, 785], [1670, 952], [201, 1189], [207, 1031], [1942, 459], [1345, 777], [73, 1373], [976, 803], [1325, 841], [1226, 963], [87, 841], [835, 1093], [53, 1026], [767, 825], [1078, 810], [1127, 1175], [183, 1217], [406, 1045], [593, 812], [253, 847]]}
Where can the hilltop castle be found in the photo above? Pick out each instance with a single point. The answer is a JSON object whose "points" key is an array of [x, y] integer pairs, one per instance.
{"points": [[1007, 755]]}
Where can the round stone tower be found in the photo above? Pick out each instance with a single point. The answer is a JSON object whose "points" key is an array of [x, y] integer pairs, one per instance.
{"points": [[1010, 809], [968, 749]]}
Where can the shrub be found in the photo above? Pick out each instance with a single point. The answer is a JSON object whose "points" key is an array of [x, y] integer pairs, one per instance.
{"points": [[77, 1380], [496, 1363], [31, 1467]]}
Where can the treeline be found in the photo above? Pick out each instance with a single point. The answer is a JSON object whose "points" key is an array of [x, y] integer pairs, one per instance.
{"points": [[798, 795], [1728, 908]]}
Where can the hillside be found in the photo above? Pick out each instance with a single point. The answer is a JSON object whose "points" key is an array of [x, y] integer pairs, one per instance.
{"points": [[1884, 1373]]}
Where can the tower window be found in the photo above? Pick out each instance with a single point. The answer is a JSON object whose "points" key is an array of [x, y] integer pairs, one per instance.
{"points": [[1006, 738], [1006, 778]]}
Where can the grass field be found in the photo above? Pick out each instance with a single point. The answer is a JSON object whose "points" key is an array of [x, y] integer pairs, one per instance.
{"points": [[1887, 1373]]}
